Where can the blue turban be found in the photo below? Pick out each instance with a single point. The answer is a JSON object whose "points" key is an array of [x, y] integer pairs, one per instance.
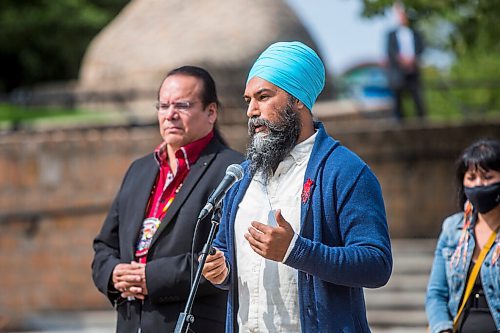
{"points": [[294, 67]]}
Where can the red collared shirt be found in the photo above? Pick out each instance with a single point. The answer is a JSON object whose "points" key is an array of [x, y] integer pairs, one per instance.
{"points": [[167, 185]]}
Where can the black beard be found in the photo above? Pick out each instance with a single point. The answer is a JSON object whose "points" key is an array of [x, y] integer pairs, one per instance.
{"points": [[266, 151]]}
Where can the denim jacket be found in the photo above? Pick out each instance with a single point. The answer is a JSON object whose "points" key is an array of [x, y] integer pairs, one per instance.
{"points": [[447, 284]]}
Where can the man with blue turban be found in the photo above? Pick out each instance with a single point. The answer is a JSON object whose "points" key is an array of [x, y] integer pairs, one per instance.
{"points": [[305, 230]]}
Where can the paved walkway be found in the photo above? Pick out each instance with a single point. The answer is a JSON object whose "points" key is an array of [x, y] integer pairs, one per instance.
{"points": [[73, 322]]}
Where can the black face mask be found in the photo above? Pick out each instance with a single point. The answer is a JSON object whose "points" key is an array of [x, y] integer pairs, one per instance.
{"points": [[483, 198]]}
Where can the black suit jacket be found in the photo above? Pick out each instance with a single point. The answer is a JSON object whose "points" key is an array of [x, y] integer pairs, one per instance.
{"points": [[395, 72], [168, 266]]}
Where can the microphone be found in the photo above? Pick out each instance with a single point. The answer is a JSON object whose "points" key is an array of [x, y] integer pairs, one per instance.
{"points": [[234, 172]]}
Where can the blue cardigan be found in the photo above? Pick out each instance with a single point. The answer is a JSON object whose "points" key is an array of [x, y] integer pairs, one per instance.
{"points": [[343, 243]]}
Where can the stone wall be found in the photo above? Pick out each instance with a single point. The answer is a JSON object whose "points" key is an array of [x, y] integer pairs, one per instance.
{"points": [[415, 165], [55, 188], [54, 191]]}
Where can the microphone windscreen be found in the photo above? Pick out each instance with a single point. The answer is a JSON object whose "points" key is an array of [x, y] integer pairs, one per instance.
{"points": [[235, 170]]}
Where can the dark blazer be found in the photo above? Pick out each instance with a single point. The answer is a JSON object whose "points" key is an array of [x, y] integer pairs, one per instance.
{"points": [[168, 266], [396, 73]]}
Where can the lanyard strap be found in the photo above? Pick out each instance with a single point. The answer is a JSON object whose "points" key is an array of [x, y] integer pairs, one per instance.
{"points": [[473, 276]]}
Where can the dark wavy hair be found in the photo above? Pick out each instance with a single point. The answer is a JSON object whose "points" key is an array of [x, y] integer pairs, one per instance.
{"points": [[483, 154]]}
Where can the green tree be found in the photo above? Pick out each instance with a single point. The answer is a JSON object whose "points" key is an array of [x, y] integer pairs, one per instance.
{"points": [[44, 40]]}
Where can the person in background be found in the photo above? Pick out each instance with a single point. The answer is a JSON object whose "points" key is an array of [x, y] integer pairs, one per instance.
{"points": [[305, 230], [142, 253], [404, 48], [463, 294]]}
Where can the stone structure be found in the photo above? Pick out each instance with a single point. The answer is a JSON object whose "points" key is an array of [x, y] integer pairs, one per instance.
{"points": [[150, 37]]}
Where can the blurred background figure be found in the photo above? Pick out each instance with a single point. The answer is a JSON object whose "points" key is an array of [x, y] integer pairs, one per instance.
{"points": [[464, 288], [404, 48]]}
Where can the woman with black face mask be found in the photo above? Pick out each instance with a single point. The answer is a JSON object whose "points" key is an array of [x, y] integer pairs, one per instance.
{"points": [[463, 294]]}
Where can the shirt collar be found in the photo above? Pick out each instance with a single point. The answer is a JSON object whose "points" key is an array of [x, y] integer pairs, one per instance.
{"points": [[302, 150], [190, 152]]}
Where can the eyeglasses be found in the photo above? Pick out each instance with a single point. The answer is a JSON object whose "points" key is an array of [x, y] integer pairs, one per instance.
{"points": [[182, 107]]}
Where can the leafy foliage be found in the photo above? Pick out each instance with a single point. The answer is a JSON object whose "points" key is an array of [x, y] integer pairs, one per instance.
{"points": [[44, 40]]}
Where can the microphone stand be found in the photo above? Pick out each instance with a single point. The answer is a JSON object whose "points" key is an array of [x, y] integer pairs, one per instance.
{"points": [[186, 318]]}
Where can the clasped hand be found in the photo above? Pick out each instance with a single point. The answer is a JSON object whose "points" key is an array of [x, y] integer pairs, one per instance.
{"points": [[130, 280]]}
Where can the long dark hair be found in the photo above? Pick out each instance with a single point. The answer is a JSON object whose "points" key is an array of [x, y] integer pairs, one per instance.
{"points": [[209, 91], [483, 154]]}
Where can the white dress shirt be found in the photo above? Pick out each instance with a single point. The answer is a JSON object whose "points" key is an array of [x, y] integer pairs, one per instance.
{"points": [[406, 43], [267, 290]]}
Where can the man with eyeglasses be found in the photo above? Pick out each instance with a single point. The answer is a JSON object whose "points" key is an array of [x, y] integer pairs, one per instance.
{"points": [[142, 261]]}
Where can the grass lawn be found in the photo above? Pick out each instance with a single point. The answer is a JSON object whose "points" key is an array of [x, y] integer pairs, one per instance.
{"points": [[55, 116]]}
